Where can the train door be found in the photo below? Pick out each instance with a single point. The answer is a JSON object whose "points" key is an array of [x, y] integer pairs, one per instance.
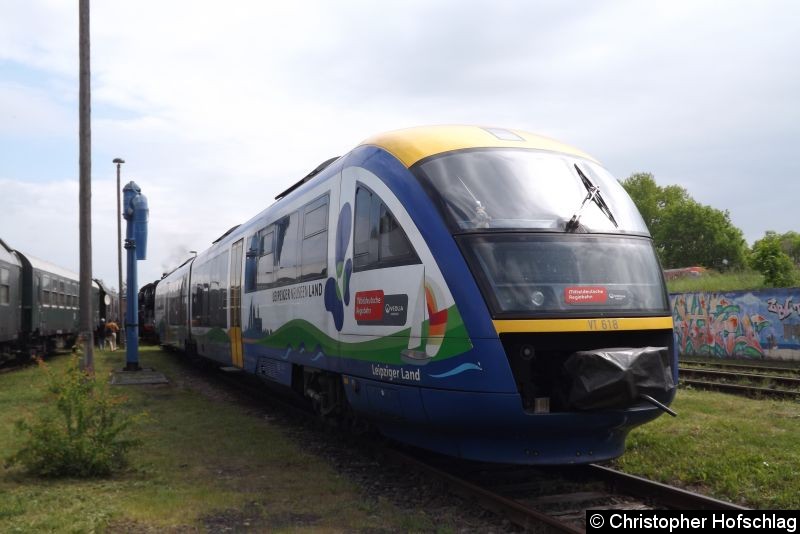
{"points": [[386, 317], [235, 308]]}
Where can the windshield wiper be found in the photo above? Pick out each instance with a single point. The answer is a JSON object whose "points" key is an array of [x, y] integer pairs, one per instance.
{"points": [[482, 217], [593, 194]]}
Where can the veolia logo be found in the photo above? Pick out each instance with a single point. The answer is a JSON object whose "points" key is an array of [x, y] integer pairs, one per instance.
{"points": [[394, 309]]}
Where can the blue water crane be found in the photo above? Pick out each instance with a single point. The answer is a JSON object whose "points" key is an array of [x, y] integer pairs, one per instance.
{"points": [[136, 212]]}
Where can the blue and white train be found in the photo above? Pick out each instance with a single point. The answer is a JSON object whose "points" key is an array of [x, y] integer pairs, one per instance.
{"points": [[481, 292]]}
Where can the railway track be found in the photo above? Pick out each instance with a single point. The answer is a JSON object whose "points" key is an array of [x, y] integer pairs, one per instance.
{"points": [[744, 367], [15, 364], [543, 499], [742, 383], [554, 499]]}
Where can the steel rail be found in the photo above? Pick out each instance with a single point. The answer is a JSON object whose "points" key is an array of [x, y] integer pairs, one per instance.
{"points": [[742, 366], [512, 510], [738, 376], [670, 496], [742, 390]]}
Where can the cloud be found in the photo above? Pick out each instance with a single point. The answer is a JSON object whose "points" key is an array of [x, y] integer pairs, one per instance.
{"points": [[217, 109], [27, 112]]}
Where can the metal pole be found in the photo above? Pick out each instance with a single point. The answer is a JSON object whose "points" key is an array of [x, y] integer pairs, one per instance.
{"points": [[132, 348], [85, 188], [120, 319]]}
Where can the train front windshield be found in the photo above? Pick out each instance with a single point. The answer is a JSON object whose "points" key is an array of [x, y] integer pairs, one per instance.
{"points": [[547, 234], [532, 189], [530, 274]]}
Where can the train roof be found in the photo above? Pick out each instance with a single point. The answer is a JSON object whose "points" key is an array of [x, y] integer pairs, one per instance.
{"points": [[102, 285], [48, 267], [7, 254], [412, 145]]}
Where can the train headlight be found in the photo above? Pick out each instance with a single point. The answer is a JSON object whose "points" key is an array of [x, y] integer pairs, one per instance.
{"points": [[527, 352], [537, 298]]}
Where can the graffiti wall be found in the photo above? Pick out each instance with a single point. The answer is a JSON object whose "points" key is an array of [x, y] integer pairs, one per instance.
{"points": [[741, 324]]}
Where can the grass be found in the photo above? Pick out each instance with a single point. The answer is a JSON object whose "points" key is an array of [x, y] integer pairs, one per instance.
{"points": [[204, 465], [713, 282], [733, 448]]}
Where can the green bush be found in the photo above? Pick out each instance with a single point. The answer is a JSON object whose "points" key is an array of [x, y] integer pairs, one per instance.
{"points": [[79, 432], [769, 259]]}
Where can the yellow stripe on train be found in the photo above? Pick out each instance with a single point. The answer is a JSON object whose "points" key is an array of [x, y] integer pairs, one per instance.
{"points": [[413, 144], [512, 326]]}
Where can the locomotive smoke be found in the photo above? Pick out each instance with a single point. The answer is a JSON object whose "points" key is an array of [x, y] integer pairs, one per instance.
{"points": [[178, 255]]}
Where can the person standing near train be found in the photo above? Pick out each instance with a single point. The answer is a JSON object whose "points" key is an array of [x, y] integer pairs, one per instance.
{"points": [[111, 334], [100, 334]]}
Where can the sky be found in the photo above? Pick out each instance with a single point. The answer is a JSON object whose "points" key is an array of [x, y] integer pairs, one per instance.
{"points": [[217, 107]]}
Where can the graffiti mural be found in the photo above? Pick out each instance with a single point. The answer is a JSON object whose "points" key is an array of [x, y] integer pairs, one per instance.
{"points": [[752, 324]]}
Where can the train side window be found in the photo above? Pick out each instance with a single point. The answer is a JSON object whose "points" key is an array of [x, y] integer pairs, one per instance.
{"points": [[5, 286], [362, 228], [219, 310], [314, 250], [182, 292], [251, 262], [286, 248], [62, 296], [197, 293], [198, 296], [265, 270], [209, 298], [204, 291], [378, 239], [174, 304], [393, 243], [46, 290], [213, 293]]}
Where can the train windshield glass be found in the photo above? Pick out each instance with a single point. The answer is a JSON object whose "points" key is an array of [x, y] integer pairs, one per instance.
{"points": [[557, 274], [533, 189]]}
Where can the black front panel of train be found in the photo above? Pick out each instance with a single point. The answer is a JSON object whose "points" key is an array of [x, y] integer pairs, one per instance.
{"points": [[556, 369], [526, 275]]}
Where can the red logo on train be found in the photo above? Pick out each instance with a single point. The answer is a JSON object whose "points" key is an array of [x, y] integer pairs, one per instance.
{"points": [[585, 295], [369, 305]]}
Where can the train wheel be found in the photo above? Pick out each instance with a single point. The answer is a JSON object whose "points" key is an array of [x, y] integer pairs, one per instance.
{"points": [[325, 391], [329, 401]]}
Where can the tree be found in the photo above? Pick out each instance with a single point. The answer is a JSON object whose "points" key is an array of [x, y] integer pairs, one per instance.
{"points": [[690, 233], [790, 243], [651, 199], [686, 232], [646, 195], [769, 258]]}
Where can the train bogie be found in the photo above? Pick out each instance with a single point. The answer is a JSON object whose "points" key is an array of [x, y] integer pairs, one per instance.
{"points": [[462, 288]]}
